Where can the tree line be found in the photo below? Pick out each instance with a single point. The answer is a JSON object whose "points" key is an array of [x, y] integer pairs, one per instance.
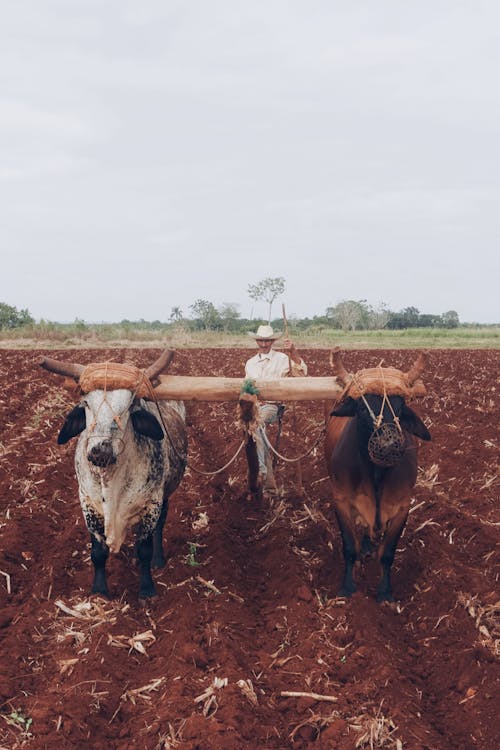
{"points": [[347, 315], [203, 314]]}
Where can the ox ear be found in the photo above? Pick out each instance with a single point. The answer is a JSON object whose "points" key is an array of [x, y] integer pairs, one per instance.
{"points": [[346, 409], [73, 425], [146, 424], [412, 423]]}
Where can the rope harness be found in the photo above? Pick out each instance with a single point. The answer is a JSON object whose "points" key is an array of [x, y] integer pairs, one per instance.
{"points": [[386, 445], [297, 458], [222, 468], [141, 384], [185, 462], [116, 416]]}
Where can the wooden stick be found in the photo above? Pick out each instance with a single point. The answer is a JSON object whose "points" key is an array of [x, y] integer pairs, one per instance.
{"points": [[298, 467], [209, 585], [7, 581], [191, 388], [314, 696], [286, 335]]}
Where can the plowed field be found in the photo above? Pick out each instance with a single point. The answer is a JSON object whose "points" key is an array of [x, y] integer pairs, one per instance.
{"points": [[246, 610]]}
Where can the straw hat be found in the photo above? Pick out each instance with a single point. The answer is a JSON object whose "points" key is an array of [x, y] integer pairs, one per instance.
{"points": [[265, 333]]}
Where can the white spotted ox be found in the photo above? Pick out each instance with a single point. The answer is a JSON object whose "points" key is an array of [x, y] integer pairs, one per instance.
{"points": [[130, 457]]}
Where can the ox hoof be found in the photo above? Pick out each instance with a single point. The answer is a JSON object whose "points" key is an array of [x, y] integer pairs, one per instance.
{"points": [[384, 596], [145, 599], [147, 591], [257, 495], [100, 585], [158, 562], [100, 591], [347, 592]]}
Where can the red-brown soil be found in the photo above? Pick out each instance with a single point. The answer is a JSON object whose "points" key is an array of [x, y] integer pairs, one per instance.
{"points": [[250, 612]]}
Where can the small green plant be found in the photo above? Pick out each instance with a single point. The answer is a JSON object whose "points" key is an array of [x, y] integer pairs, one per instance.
{"points": [[38, 415], [191, 560], [249, 387], [18, 720]]}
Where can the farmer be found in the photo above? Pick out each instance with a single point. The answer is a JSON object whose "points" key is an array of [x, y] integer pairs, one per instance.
{"points": [[268, 364]]}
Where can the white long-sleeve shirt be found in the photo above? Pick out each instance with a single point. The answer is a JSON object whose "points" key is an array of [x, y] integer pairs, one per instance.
{"points": [[272, 366]]}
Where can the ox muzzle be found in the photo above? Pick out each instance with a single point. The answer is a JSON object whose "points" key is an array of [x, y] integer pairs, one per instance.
{"points": [[101, 454], [386, 445]]}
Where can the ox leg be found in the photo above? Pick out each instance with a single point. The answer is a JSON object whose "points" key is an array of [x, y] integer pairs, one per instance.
{"points": [[145, 555], [99, 554], [384, 590], [350, 555], [158, 560]]}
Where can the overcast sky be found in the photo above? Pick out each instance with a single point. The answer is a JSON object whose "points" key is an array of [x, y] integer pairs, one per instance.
{"points": [[159, 152]]}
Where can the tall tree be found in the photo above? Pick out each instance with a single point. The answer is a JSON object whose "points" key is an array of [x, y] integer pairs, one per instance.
{"points": [[267, 289], [11, 317], [450, 319], [349, 314], [228, 313], [206, 313], [175, 314], [378, 317]]}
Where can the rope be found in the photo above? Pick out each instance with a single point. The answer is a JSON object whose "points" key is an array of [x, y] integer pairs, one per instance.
{"points": [[223, 468], [116, 416], [298, 458], [145, 381], [152, 395], [377, 420], [388, 401], [181, 458]]}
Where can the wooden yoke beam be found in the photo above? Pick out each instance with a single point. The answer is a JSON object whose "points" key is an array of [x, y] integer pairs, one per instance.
{"points": [[190, 388]]}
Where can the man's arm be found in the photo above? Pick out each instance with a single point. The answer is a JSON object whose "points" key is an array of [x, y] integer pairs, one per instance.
{"points": [[298, 366]]}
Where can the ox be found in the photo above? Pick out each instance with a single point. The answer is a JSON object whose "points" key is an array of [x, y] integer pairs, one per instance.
{"points": [[371, 455], [129, 458]]}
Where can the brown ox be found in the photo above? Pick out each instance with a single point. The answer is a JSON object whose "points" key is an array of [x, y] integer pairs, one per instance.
{"points": [[371, 455]]}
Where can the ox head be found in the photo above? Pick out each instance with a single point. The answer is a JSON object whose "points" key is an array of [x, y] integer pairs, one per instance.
{"points": [[382, 418], [105, 415]]}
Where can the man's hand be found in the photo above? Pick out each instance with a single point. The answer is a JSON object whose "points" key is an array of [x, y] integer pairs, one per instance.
{"points": [[289, 347]]}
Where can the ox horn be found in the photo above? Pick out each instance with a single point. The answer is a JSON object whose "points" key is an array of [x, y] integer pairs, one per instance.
{"points": [[417, 368], [70, 369], [161, 364], [338, 366]]}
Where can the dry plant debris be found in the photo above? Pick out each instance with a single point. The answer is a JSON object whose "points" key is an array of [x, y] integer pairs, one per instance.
{"points": [[7, 581], [375, 731], [314, 696], [486, 619], [248, 691], [209, 696], [170, 739], [142, 693], [427, 478], [201, 522], [490, 480], [133, 643], [278, 512], [87, 615]]}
